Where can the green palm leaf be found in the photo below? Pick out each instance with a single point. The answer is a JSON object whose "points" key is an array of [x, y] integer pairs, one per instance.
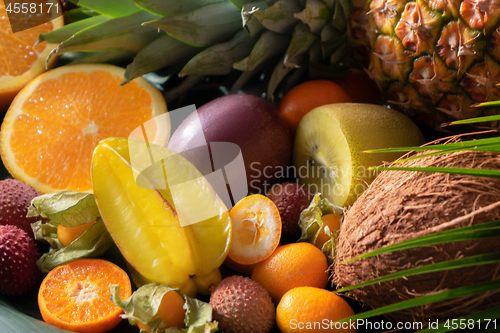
{"points": [[481, 259], [477, 288], [476, 231]]}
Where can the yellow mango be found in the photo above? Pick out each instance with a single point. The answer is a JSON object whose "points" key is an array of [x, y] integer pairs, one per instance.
{"points": [[163, 215]]}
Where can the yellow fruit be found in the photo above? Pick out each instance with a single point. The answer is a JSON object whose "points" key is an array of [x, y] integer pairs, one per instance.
{"points": [[168, 223], [256, 229], [66, 235], [309, 309], [331, 141], [290, 266]]}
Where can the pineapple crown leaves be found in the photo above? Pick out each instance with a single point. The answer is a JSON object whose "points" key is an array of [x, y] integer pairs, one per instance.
{"points": [[207, 37]]}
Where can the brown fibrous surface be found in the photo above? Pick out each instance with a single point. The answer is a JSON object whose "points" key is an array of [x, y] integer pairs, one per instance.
{"points": [[402, 205]]}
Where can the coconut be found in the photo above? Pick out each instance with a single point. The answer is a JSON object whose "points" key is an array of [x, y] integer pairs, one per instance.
{"points": [[402, 205]]}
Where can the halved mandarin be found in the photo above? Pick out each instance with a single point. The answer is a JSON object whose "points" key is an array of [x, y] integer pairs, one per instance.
{"points": [[256, 229], [53, 125], [76, 296], [20, 60]]}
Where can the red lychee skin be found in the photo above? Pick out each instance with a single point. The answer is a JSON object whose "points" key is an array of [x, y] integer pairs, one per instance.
{"points": [[19, 273], [241, 305], [291, 199], [15, 198]]}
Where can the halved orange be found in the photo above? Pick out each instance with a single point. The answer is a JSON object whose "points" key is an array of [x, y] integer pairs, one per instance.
{"points": [[256, 226], [53, 125], [76, 296], [20, 60]]}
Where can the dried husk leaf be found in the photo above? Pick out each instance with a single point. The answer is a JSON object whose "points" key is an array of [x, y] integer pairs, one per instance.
{"points": [[311, 223], [402, 205], [142, 306]]}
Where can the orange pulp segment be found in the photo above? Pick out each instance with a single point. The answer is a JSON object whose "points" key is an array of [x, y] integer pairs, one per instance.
{"points": [[256, 226], [53, 125], [76, 296], [20, 60]]}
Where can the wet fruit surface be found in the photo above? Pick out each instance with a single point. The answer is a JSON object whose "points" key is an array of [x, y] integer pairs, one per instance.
{"points": [[256, 229], [76, 296]]}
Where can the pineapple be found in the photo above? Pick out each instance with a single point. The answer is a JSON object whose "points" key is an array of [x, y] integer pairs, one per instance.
{"points": [[433, 59]]}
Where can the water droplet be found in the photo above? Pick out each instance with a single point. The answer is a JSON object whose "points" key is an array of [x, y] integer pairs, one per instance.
{"points": [[39, 131], [41, 99]]}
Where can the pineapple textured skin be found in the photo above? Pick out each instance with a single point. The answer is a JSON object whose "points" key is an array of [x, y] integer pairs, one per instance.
{"points": [[436, 59]]}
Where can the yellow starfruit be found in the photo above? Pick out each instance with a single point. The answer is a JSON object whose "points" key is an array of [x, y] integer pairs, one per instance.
{"points": [[168, 222]]}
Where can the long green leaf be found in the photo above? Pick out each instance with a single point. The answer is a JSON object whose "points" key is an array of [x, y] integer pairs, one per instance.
{"points": [[163, 51], [206, 26], [279, 17], [453, 171], [172, 7], [484, 318], [269, 45], [60, 35], [481, 259], [477, 288], [463, 145], [113, 8], [124, 33], [219, 59], [478, 119], [12, 320], [476, 231], [107, 56]]}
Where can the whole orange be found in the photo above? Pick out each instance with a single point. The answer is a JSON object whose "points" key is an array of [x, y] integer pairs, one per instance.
{"points": [[289, 266], [309, 309], [306, 96]]}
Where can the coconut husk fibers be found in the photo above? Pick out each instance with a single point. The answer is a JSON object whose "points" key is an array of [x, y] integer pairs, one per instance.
{"points": [[401, 205]]}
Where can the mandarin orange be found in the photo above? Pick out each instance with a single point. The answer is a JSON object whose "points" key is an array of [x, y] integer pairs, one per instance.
{"points": [[309, 309], [76, 296], [290, 266], [306, 96]]}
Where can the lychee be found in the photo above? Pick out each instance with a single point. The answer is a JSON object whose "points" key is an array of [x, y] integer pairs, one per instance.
{"points": [[241, 305], [18, 255], [15, 198], [291, 199]]}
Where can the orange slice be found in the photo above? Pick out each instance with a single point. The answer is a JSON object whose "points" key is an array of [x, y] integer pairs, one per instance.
{"points": [[256, 226], [76, 296], [20, 60], [53, 125]]}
